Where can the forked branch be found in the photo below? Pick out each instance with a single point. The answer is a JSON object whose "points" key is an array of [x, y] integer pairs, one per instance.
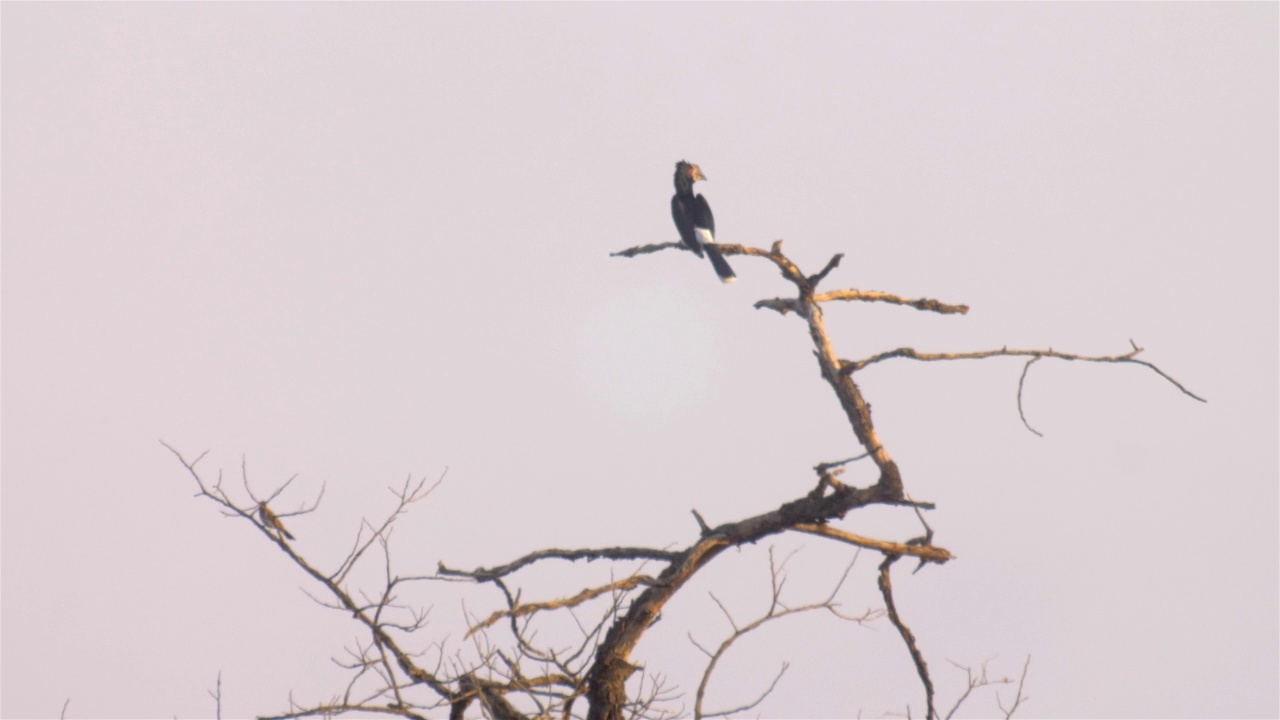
{"points": [[849, 367]]}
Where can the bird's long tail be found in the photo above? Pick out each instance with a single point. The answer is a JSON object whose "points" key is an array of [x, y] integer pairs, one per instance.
{"points": [[719, 263]]}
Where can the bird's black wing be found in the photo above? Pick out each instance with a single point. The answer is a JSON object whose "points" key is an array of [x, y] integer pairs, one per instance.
{"points": [[704, 219], [702, 216], [682, 211]]}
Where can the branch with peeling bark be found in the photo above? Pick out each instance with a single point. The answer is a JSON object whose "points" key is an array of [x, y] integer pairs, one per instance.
{"points": [[786, 305], [829, 501], [889, 488]]}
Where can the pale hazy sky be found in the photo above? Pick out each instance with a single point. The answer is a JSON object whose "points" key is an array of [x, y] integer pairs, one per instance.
{"points": [[363, 242]]}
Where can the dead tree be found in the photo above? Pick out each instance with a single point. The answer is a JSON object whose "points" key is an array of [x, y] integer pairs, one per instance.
{"points": [[532, 676]]}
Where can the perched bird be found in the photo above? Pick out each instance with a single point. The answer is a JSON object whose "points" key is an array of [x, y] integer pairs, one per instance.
{"points": [[694, 221], [269, 520]]}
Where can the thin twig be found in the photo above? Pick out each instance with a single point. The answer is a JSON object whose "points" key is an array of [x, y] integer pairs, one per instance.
{"points": [[590, 593], [822, 274], [922, 669], [1021, 381], [776, 611], [217, 697], [828, 466], [371, 620], [1020, 698]]}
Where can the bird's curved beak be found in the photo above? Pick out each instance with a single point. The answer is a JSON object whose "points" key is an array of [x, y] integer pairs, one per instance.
{"points": [[697, 173]]}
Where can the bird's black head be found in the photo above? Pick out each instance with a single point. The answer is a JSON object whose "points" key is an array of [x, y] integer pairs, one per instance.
{"points": [[686, 173]]}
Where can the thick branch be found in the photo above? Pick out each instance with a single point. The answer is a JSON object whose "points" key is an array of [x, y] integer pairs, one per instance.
{"points": [[611, 668]]}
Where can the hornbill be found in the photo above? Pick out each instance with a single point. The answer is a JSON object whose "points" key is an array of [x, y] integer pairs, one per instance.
{"points": [[694, 221]]}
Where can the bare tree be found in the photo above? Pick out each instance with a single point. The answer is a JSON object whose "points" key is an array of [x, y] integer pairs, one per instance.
{"points": [[589, 672]]}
